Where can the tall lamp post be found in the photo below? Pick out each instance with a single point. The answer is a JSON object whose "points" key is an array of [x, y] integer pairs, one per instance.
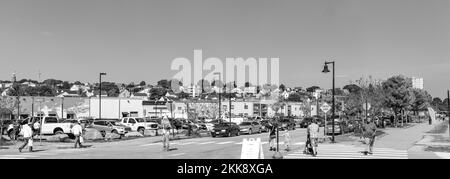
{"points": [[325, 70], [448, 107], [100, 97]]}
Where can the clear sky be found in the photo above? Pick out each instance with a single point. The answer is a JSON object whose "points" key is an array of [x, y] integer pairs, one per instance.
{"points": [[137, 40]]}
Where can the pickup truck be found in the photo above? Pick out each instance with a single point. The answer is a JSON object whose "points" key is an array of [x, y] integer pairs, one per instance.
{"points": [[138, 124], [51, 125]]}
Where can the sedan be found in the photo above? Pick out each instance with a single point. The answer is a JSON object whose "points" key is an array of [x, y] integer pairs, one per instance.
{"points": [[225, 129], [250, 127], [105, 126]]}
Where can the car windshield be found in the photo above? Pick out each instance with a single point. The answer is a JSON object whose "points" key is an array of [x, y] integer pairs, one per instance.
{"points": [[140, 120], [246, 123], [113, 123]]}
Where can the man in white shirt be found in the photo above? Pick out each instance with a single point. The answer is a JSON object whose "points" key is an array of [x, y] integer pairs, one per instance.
{"points": [[27, 133], [77, 131], [313, 131], [165, 123]]}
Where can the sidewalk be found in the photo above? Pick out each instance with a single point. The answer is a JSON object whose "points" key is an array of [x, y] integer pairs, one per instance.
{"points": [[410, 139]]}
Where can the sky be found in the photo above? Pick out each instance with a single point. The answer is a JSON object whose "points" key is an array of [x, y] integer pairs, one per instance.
{"points": [[137, 40]]}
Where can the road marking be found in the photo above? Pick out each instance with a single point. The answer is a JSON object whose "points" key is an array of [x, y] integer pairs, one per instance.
{"points": [[227, 142], [172, 155], [327, 151], [206, 143], [151, 144], [188, 143]]}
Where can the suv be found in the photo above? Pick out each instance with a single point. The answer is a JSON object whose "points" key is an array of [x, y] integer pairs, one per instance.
{"points": [[138, 124]]}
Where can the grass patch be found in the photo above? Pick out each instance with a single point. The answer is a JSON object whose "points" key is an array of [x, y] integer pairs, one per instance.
{"points": [[439, 129], [440, 139]]}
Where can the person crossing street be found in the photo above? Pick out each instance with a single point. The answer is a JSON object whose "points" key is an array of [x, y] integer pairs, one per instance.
{"points": [[27, 133], [77, 131], [166, 133], [313, 134], [370, 130]]}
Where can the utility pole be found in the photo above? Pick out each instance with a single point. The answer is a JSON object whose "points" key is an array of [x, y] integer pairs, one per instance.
{"points": [[448, 107]]}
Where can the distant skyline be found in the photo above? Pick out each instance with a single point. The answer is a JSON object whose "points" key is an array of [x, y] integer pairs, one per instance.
{"points": [[74, 40]]}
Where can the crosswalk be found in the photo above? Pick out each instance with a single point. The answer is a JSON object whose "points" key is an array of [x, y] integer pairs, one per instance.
{"points": [[341, 151], [39, 154]]}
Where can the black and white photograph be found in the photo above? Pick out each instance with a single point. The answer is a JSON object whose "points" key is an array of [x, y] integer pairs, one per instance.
{"points": [[247, 80]]}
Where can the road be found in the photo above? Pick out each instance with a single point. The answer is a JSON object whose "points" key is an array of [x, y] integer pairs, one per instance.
{"points": [[151, 148], [396, 145]]}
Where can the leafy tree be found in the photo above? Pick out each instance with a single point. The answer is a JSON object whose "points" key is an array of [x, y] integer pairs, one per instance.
{"points": [[296, 97], [78, 83], [142, 83], [282, 87], [248, 84], [399, 94], [422, 100], [352, 88], [66, 85], [312, 89], [164, 83]]}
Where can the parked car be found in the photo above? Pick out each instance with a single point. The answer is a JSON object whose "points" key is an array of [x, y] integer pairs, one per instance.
{"points": [[210, 125], [250, 127], [225, 129], [138, 124], [265, 126], [305, 122], [105, 126], [337, 128], [51, 125]]}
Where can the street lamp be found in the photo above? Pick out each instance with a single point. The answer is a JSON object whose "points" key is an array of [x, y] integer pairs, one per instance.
{"points": [[100, 97], [220, 98], [325, 70]]}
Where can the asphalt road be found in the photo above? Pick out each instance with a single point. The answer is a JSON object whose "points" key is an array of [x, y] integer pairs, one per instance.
{"points": [[151, 148]]}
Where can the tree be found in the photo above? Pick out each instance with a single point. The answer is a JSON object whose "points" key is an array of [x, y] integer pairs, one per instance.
{"points": [[248, 84], [399, 94], [142, 83], [352, 88], [78, 83], [282, 87], [66, 85], [312, 89], [422, 100], [164, 83]]}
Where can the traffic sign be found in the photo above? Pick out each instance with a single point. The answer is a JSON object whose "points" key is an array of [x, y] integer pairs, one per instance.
{"points": [[325, 107]]}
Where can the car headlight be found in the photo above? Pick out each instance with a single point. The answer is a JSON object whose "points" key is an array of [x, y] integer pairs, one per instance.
{"points": [[224, 130]]}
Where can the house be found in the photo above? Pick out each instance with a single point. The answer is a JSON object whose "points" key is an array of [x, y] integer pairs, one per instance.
{"points": [[30, 84], [69, 94], [124, 93], [143, 96]]}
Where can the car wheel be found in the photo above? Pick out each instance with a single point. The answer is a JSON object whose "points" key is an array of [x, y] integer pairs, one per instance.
{"points": [[103, 133], [213, 135], [141, 130], [250, 132], [115, 132], [59, 132], [229, 134]]}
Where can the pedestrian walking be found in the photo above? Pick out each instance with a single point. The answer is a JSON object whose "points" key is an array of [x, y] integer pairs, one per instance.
{"points": [[313, 134], [370, 130], [77, 131], [272, 135], [166, 133], [27, 133], [287, 140], [36, 128]]}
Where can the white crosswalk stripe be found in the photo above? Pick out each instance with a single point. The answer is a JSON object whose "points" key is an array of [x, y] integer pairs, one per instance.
{"points": [[27, 155], [339, 151]]}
